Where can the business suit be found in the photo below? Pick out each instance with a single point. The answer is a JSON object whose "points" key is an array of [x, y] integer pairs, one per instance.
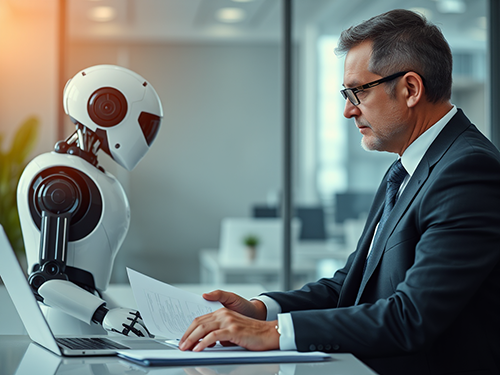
{"points": [[430, 302]]}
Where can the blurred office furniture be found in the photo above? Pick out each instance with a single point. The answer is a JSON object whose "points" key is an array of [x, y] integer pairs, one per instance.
{"points": [[214, 272], [351, 205], [268, 231], [312, 219], [262, 211], [350, 213], [230, 264]]}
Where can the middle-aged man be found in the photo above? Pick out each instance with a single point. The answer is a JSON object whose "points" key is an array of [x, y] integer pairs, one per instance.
{"points": [[421, 293]]}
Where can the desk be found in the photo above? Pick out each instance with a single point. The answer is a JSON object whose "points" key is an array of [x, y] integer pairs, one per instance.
{"points": [[20, 357]]}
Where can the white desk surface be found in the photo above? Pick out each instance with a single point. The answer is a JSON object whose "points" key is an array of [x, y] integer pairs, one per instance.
{"points": [[20, 357]]}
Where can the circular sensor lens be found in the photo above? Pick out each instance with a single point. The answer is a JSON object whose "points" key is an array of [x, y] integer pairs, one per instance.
{"points": [[107, 107], [51, 268]]}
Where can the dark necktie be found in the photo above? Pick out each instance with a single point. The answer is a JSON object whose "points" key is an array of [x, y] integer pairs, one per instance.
{"points": [[395, 178]]}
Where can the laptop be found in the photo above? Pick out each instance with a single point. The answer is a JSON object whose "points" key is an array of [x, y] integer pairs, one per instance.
{"points": [[39, 330]]}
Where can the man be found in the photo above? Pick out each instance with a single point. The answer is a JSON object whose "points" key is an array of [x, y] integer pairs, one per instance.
{"points": [[421, 293]]}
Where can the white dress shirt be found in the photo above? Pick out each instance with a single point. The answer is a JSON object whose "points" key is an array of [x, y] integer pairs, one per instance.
{"points": [[410, 160]]}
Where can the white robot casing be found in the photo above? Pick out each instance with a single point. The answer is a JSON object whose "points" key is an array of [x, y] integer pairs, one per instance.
{"points": [[74, 215], [127, 144], [95, 253]]}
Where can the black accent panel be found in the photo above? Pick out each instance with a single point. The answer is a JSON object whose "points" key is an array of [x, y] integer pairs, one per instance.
{"points": [[89, 208], [103, 136], [99, 314], [40, 275], [82, 278], [150, 125], [107, 107]]}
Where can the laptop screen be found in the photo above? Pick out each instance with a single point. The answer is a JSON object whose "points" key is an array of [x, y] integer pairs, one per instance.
{"points": [[20, 292]]}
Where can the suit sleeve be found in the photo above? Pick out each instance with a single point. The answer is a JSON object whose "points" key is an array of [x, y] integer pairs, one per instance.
{"points": [[452, 228], [323, 294]]}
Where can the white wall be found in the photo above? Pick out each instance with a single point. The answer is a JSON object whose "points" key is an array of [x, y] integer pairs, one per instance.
{"points": [[219, 149]]}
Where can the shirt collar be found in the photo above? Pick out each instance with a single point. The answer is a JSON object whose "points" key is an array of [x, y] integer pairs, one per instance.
{"points": [[416, 151]]}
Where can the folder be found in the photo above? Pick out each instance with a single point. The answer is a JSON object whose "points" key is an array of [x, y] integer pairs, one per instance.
{"points": [[190, 358]]}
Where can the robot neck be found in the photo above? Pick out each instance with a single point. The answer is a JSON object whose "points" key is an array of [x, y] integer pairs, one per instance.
{"points": [[83, 143]]}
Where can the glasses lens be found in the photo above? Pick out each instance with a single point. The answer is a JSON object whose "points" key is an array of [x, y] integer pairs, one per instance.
{"points": [[349, 94]]}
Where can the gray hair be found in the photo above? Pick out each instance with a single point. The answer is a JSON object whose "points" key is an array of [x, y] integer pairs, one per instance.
{"points": [[405, 41]]}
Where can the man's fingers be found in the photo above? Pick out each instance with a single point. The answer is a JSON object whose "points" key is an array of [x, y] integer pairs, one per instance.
{"points": [[226, 298], [212, 296], [211, 338], [200, 327]]}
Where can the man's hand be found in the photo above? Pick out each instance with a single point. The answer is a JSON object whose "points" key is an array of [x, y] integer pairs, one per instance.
{"points": [[225, 325], [253, 309]]}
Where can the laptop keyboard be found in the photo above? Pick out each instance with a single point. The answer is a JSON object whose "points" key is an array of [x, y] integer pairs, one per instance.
{"points": [[88, 343]]}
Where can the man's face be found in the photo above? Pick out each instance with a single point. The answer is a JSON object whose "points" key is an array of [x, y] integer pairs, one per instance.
{"points": [[379, 117]]}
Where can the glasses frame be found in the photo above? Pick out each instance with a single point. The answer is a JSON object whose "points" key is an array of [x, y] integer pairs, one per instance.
{"points": [[350, 93]]}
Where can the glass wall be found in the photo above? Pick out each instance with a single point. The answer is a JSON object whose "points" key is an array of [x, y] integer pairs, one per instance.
{"points": [[333, 171], [216, 68], [214, 175]]}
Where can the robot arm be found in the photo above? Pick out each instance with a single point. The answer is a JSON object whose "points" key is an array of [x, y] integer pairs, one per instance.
{"points": [[71, 299], [76, 301]]}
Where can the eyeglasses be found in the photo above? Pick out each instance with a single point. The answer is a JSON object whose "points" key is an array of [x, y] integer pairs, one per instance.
{"points": [[351, 93]]}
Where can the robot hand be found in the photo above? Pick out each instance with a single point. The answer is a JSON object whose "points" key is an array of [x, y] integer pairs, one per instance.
{"points": [[124, 321], [79, 303]]}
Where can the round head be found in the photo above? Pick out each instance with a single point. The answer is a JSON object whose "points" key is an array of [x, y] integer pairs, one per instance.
{"points": [[120, 106]]}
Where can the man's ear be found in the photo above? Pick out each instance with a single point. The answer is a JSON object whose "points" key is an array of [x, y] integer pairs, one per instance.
{"points": [[414, 89]]}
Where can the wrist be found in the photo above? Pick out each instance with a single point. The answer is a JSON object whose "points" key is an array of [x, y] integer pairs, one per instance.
{"points": [[99, 314], [276, 334], [260, 309]]}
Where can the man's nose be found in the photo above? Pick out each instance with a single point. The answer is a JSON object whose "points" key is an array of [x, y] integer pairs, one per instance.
{"points": [[350, 110]]}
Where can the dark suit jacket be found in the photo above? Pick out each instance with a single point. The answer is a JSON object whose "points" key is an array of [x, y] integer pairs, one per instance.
{"points": [[430, 304]]}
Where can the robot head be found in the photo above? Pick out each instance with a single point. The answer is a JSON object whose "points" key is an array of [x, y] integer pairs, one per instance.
{"points": [[120, 106]]}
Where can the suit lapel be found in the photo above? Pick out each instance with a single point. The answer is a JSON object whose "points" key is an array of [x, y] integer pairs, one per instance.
{"points": [[438, 148], [401, 206], [353, 278]]}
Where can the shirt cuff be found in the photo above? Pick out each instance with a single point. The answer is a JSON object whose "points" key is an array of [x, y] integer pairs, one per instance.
{"points": [[285, 322], [287, 337], [273, 307]]}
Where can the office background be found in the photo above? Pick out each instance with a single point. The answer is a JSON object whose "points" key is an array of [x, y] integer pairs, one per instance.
{"points": [[219, 151]]}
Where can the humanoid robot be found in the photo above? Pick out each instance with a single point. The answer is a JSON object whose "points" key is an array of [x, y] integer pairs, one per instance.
{"points": [[75, 215]]}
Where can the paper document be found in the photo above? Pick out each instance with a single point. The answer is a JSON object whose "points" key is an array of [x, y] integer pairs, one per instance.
{"points": [[167, 311]]}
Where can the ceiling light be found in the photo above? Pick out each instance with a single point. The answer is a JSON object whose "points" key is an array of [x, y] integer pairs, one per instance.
{"points": [[451, 6], [102, 13], [230, 14]]}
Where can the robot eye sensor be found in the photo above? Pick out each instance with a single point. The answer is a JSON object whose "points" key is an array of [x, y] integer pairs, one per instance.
{"points": [[107, 107]]}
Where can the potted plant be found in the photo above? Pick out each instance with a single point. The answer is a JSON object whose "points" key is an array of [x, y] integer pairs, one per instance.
{"points": [[12, 163], [251, 242]]}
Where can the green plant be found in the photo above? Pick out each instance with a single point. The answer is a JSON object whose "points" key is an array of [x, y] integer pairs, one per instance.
{"points": [[251, 240], [12, 164]]}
